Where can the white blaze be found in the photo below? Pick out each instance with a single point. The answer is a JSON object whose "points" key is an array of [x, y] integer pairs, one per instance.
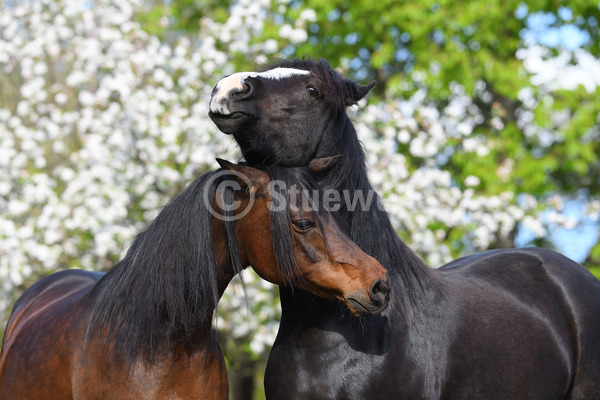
{"points": [[235, 82]]}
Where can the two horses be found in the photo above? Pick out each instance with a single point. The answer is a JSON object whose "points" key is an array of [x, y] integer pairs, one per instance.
{"points": [[517, 324], [143, 329], [502, 324]]}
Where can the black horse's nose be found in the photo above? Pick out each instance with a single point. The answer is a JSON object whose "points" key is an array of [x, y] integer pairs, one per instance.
{"points": [[246, 91], [380, 292]]}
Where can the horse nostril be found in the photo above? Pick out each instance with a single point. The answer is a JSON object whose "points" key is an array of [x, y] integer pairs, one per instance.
{"points": [[246, 91], [380, 292]]}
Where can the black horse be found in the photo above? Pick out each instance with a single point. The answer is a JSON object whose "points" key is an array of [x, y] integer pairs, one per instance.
{"points": [[502, 324]]}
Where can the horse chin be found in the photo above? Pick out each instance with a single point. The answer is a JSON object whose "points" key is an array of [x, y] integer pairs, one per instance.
{"points": [[360, 307], [229, 123]]}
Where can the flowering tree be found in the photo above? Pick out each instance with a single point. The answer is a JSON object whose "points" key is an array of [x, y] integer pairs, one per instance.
{"points": [[101, 123]]}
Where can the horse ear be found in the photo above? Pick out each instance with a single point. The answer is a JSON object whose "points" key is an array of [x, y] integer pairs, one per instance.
{"points": [[356, 91], [226, 164], [245, 175], [322, 163]]}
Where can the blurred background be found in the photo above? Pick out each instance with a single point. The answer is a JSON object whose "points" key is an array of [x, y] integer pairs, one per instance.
{"points": [[483, 130]]}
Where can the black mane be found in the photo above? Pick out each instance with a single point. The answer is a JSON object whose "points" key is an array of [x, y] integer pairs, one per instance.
{"points": [[370, 229], [165, 288]]}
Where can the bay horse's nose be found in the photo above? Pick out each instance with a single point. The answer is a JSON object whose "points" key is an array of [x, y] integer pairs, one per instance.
{"points": [[380, 293]]}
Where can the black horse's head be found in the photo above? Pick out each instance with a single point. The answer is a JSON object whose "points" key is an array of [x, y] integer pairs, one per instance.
{"points": [[286, 115]]}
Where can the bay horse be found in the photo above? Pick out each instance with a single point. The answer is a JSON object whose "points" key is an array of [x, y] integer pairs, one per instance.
{"points": [[501, 324], [143, 329]]}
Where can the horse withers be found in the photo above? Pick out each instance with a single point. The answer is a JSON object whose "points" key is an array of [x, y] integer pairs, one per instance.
{"points": [[503, 324], [143, 329]]}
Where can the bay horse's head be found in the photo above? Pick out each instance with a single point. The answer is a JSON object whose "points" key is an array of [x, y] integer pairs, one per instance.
{"points": [[284, 231], [280, 116]]}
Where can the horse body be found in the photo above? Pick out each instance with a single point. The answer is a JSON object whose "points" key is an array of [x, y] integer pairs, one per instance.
{"points": [[520, 332], [504, 324], [42, 356], [143, 329], [51, 316]]}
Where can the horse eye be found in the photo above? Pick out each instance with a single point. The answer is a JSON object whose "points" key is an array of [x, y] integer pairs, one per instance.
{"points": [[303, 224], [313, 91]]}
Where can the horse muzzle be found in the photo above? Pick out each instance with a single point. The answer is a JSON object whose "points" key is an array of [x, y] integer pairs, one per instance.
{"points": [[229, 123], [377, 300]]}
